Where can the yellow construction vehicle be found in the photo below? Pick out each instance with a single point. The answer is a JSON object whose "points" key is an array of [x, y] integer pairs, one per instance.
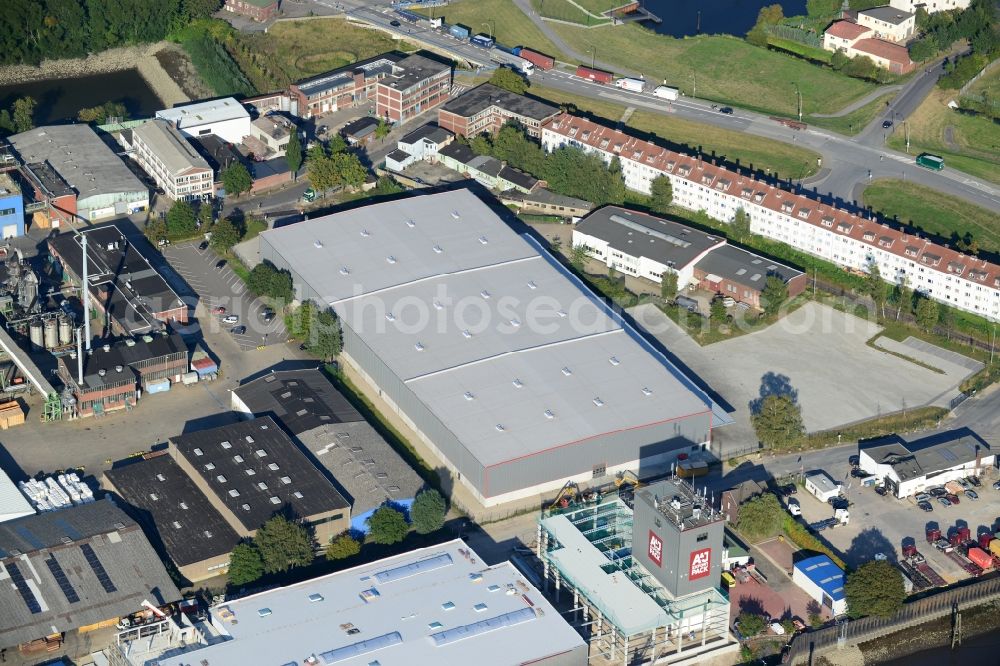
{"points": [[566, 496], [628, 478]]}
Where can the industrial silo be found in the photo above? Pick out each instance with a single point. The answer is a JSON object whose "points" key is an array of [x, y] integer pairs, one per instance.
{"points": [[50, 330], [35, 334], [65, 331]]}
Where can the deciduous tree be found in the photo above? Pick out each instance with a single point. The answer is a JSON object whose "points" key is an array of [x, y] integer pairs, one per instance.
{"points": [[668, 285], [245, 564], [326, 338], [24, 113], [181, 220], [760, 517], [927, 313], [751, 624], [387, 526], [777, 420], [224, 235], [293, 153], [874, 588], [877, 287], [739, 228], [342, 546], [508, 79], [661, 194], [774, 294], [283, 545], [428, 511], [236, 179], [382, 129]]}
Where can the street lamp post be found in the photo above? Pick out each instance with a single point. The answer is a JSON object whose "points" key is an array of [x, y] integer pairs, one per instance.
{"points": [[694, 86], [798, 97], [489, 25], [593, 57]]}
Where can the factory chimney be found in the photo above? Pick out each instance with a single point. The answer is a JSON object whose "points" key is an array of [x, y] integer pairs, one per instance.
{"points": [[79, 360], [85, 296]]}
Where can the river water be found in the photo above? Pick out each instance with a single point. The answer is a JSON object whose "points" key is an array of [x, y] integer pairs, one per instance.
{"points": [[733, 17], [982, 651], [61, 99]]}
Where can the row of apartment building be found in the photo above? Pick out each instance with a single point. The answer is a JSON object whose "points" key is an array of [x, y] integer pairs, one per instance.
{"points": [[822, 230]]}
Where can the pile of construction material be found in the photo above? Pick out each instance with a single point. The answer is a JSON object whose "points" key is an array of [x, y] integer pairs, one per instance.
{"points": [[59, 492]]}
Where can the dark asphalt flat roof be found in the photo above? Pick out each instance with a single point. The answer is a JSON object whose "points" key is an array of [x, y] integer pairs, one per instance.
{"points": [[256, 470], [738, 265], [173, 510], [485, 95], [299, 399]]}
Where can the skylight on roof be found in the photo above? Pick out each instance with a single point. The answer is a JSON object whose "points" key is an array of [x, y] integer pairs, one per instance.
{"points": [[517, 383]]}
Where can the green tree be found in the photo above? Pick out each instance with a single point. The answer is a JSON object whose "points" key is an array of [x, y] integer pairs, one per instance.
{"points": [[839, 60], [293, 153], [668, 285], [155, 229], [874, 588], [428, 511], [876, 287], [861, 67], [283, 545], [100, 114], [740, 226], [24, 113], [578, 258], [508, 79], [224, 235], [382, 130], [181, 220], [927, 313], [266, 280], [751, 624], [760, 517], [481, 145], [774, 294], [717, 310], [336, 144], [299, 321], [199, 9], [387, 526], [245, 565], [236, 179], [348, 170], [385, 186], [205, 215], [6, 122], [967, 244], [903, 296], [326, 338], [777, 420], [661, 194], [342, 546]]}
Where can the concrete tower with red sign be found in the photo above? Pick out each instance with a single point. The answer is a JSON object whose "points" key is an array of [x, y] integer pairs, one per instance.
{"points": [[677, 536]]}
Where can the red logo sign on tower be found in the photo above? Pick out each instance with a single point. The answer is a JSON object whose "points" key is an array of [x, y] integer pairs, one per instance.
{"points": [[655, 548]]}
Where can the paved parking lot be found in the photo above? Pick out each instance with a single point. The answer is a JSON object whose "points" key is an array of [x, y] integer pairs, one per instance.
{"points": [[821, 354], [216, 285], [883, 524]]}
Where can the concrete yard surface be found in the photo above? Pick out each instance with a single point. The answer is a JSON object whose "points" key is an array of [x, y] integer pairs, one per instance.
{"points": [[821, 356]]}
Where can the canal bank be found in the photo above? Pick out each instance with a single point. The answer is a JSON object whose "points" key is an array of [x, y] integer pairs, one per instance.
{"points": [[148, 60]]}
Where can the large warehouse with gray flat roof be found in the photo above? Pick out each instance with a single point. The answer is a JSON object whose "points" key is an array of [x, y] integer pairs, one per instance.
{"points": [[508, 368]]}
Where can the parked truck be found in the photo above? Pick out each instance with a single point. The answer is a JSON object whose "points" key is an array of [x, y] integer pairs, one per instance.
{"points": [[596, 75], [539, 60], [635, 85], [483, 41], [666, 92], [980, 558]]}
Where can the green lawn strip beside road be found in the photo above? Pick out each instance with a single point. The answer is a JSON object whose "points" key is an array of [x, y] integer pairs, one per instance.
{"points": [[911, 420], [727, 69], [511, 26], [798, 48], [785, 159], [933, 211], [855, 121], [967, 143], [561, 10]]}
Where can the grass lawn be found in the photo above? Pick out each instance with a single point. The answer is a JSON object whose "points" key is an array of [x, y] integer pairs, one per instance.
{"points": [[853, 122], [748, 150], [801, 49], [971, 144], [933, 211], [988, 85], [564, 11], [728, 70], [512, 27], [294, 50]]}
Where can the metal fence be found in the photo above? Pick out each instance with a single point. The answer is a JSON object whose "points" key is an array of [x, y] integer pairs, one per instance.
{"points": [[913, 613], [791, 33]]}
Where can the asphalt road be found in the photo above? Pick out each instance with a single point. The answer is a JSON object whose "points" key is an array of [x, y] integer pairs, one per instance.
{"points": [[849, 163]]}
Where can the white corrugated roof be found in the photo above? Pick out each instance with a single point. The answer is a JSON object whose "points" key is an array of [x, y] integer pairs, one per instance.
{"points": [[204, 113], [13, 504]]}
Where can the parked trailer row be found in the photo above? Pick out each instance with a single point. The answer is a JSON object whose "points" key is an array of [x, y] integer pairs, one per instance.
{"points": [[539, 60], [596, 75]]}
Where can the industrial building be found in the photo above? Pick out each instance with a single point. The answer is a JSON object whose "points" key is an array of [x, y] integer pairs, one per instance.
{"points": [[13, 503], [487, 108], [511, 372], [413, 85], [103, 183], [251, 470], [258, 10], [52, 201], [114, 374], [907, 468], [821, 486], [645, 580], [363, 466], [485, 170], [163, 152], [124, 287], [76, 569], [428, 607], [823, 581], [345, 87], [175, 513], [422, 143], [226, 118], [11, 208], [541, 201]]}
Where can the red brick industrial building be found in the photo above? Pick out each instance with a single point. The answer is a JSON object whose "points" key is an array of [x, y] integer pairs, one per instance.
{"points": [[258, 10], [487, 108], [414, 85]]}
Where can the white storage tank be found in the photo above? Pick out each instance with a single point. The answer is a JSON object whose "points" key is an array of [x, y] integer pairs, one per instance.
{"points": [[50, 331], [65, 330], [35, 334]]}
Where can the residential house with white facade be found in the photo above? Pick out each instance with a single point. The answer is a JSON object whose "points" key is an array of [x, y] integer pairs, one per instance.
{"points": [[930, 6], [226, 118], [822, 230]]}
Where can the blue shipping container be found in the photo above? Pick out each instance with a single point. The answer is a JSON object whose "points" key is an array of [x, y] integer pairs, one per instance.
{"points": [[483, 41], [459, 31], [158, 386]]}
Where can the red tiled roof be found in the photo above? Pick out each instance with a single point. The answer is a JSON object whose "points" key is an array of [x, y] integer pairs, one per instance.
{"points": [[846, 30], [879, 236], [883, 49]]}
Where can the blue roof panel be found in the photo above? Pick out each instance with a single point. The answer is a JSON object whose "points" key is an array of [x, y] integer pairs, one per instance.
{"points": [[827, 575]]}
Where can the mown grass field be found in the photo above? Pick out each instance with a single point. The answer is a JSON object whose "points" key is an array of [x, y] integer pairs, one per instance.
{"points": [[294, 50], [512, 27], [855, 121], [988, 85], [803, 50], [933, 211], [728, 70], [972, 144], [786, 160], [564, 11]]}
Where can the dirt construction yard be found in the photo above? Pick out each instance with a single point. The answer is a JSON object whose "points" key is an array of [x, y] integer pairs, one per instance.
{"points": [[822, 355]]}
